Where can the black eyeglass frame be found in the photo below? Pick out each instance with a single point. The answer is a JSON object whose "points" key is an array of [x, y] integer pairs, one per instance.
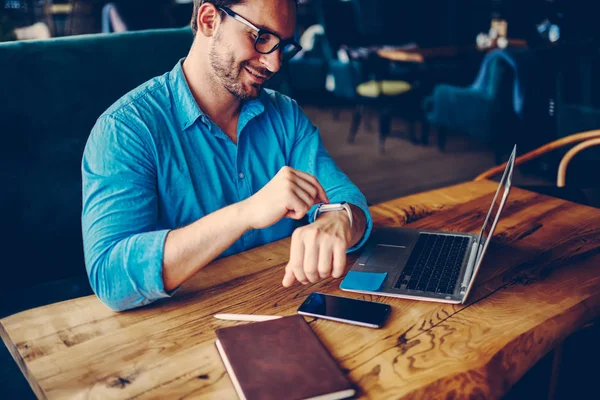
{"points": [[281, 43]]}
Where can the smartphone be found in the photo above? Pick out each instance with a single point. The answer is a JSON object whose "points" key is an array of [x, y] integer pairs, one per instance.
{"points": [[345, 309]]}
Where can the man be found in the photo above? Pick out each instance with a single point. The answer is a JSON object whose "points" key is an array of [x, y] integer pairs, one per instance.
{"points": [[202, 162]]}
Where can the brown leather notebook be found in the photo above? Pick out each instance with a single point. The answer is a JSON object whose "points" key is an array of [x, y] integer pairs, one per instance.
{"points": [[280, 359]]}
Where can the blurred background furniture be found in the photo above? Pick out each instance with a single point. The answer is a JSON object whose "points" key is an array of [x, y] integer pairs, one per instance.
{"points": [[307, 71], [589, 194], [22, 12], [59, 16], [484, 110], [6, 25], [134, 15], [510, 101], [37, 31], [62, 17], [76, 17], [356, 74], [81, 17], [577, 106]]}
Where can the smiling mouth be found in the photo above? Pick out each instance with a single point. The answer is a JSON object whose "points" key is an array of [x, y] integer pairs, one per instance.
{"points": [[256, 75]]}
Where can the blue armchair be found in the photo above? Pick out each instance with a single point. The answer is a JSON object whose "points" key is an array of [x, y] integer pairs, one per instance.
{"points": [[306, 72], [487, 110]]}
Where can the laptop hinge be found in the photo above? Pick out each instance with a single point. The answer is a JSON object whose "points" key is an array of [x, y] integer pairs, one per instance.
{"points": [[469, 270]]}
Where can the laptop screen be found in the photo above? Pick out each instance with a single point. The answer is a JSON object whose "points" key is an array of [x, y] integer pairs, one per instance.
{"points": [[494, 214]]}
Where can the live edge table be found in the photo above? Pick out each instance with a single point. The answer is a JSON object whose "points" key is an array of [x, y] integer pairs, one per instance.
{"points": [[539, 282]]}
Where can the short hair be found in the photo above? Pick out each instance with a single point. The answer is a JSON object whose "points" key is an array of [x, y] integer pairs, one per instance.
{"points": [[217, 4]]}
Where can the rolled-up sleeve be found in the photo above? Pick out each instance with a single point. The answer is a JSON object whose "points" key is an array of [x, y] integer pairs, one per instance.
{"points": [[122, 246], [309, 155]]}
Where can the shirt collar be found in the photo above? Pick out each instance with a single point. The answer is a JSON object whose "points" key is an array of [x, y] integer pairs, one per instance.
{"points": [[250, 109], [187, 109]]}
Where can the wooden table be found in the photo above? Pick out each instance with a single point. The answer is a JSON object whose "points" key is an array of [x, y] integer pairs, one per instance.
{"points": [[540, 282], [421, 55]]}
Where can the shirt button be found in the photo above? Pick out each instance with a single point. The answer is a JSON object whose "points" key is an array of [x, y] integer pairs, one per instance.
{"points": [[241, 175]]}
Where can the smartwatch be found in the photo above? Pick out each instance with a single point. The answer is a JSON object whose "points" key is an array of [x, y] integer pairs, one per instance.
{"points": [[334, 207]]}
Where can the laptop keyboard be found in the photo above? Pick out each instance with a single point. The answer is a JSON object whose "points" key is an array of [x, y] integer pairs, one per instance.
{"points": [[434, 264]]}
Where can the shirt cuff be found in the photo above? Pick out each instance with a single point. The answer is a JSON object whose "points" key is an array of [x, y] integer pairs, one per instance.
{"points": [[146, 267]]}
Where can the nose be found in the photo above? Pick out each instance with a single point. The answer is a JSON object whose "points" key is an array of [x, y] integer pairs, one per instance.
{"points": [[272, 61]]}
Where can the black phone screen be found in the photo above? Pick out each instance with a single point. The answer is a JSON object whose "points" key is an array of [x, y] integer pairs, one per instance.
{"points": [[345, 308]]}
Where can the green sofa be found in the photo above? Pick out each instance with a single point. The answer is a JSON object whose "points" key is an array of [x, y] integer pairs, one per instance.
{"points": [[51, 93]]}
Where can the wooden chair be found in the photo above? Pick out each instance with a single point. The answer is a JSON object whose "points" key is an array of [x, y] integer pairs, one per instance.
{"points": [[584, 140]]}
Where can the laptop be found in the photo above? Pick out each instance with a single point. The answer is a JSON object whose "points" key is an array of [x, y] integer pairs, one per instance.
{"points": [[426, 265]]}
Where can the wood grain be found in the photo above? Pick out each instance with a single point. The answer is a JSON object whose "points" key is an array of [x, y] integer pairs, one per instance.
{"points": [[540, 282]]}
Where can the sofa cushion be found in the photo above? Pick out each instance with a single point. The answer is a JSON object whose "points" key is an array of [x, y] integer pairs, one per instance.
{"points": [[51, 94]]}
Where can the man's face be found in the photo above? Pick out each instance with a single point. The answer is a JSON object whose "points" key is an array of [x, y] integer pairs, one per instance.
{"points": [[237, 65]]}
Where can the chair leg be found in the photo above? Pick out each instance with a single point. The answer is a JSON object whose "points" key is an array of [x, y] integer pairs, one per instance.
{"points": [[336, 114], [556, 360], [385, 120], [425, 132], [442, 135], [412, 134], [368, 119], [356, 117]]}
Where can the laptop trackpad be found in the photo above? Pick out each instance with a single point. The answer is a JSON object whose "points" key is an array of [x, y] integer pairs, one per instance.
{"points": [[386, 255]]}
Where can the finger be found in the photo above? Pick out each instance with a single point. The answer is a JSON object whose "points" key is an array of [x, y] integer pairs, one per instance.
{"points": [[311, 261], [298, 270], [304, 197], [321, 195], [325, 261], [300, 277], [296, 208], [308, 187], [291, 214], [288, 278], [339, 261], [296, 263]]}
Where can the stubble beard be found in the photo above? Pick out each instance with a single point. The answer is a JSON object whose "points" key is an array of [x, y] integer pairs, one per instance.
{"points": [[228, 73]]}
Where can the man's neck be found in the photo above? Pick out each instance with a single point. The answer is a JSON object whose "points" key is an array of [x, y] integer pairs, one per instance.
{"points": [[212, 98]]}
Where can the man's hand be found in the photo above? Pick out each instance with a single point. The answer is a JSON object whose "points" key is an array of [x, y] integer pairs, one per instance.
{"points": [[318, 250], [291, 193]]}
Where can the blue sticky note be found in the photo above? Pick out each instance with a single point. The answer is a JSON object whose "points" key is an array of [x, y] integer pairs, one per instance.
{"points": [[369, 281]]}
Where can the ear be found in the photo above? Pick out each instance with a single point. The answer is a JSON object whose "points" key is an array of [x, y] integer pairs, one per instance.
{"points": [[209, 19]]}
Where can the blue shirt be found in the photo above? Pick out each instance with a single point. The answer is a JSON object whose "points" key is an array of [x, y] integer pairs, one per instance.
{"points": [[155, 162]]}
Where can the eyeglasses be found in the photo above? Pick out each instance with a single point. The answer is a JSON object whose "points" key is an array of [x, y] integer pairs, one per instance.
{"points": [[266, 41]]}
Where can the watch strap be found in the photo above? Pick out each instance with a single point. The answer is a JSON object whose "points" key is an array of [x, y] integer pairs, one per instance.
{"points": [[334, 207]]}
